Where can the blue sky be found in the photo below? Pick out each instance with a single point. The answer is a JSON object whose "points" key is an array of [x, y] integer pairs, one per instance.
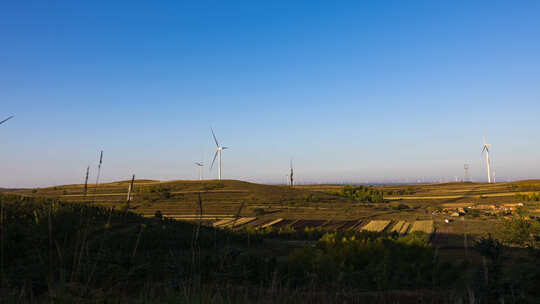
{"points": [[352, 91]]}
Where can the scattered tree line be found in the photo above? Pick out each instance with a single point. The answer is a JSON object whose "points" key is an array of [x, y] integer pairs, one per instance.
{"points": [[531, 197], [361, 193], [408, 191]]}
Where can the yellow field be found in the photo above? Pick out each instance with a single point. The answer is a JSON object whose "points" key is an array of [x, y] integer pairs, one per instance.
{"points": [[423, 226], [241, 221], [401, 227], [377, 226]]}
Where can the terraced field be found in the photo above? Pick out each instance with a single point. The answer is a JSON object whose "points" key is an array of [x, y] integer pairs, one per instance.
{"points": [[401, 227]]}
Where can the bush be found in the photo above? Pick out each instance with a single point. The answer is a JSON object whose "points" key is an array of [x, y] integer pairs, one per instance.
{"points": [[259, 211], [400, 207], [369, 262]]}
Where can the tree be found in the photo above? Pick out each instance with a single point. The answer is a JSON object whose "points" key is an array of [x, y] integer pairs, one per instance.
{"points": [[520, 231]]}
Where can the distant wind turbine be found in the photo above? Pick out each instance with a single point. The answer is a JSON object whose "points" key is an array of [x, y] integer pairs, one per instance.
{"points": [[218, 151], [201, 165], [486, 149], [3, 121]]}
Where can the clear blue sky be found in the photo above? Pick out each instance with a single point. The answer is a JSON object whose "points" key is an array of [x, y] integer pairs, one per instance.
{"points": [[352, 91]]}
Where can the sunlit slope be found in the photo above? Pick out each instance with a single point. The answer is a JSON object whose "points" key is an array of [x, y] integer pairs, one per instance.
{"points": [[223, 196]]}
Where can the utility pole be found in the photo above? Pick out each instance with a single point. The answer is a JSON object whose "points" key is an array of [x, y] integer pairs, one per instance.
{"points": [[86, 181], [130, 190], [98, 173], [292, 176]]}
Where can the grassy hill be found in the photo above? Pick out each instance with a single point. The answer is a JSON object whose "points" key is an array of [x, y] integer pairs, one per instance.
{"points": [[230, 197], [221, 198]]}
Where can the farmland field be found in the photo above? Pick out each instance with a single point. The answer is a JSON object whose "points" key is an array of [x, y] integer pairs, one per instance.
{"points": [[423, 226], [376, 225], [401, 227]]}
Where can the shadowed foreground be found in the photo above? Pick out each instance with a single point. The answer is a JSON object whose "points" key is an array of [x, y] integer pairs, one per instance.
{"points": [[68, 252]]}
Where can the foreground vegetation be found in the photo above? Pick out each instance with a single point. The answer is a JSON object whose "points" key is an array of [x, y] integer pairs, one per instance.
{"points": [[66, 252]]}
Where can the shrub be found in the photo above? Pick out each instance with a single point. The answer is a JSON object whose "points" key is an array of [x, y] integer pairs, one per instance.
{"points": [[532, 197], [400, 207], [367, 261], [259, 211], [520, 231]]}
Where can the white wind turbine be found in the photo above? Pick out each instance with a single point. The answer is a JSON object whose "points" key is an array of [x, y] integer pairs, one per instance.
{"points": [[486, 149], [3, 121], [218, 151], [201, 165]]}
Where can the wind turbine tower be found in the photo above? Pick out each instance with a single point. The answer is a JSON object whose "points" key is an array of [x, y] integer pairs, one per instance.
{"points": [[200, 165], [486, 149], [219, 149], [466, 177]]}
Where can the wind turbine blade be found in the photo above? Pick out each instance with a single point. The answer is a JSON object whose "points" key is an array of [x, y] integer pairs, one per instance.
{"points": [[214, 135], [215, 155], [3, 121]]}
